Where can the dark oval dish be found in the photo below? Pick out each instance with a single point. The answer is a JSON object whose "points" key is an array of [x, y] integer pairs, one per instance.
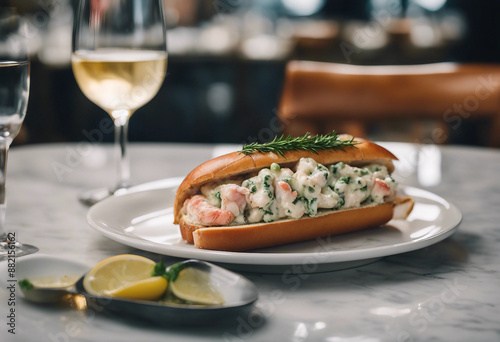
{"points": [[239, 293]]}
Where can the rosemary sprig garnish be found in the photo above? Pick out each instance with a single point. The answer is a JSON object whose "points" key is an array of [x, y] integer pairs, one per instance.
{"points": [[314, 144]]}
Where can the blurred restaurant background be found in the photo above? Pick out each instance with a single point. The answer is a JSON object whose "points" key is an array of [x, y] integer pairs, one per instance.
{"points": [[227, 60]]}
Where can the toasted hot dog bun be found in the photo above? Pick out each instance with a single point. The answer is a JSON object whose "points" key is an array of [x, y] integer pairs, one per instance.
{"points": [[252, 236]]}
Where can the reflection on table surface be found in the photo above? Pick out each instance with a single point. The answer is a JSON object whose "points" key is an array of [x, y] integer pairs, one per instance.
{"points": [[442, 292]]}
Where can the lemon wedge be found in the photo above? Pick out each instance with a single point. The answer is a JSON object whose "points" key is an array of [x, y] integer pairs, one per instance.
{"points": [[54, 282], [193, 285], [126, 276]]}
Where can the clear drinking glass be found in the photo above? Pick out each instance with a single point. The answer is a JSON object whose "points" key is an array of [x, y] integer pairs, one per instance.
{"points": [[14, 93], [119, 61]]}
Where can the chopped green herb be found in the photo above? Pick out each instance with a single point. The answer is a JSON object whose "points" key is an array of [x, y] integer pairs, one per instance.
{"points": [[346, 180], [266, 180], [253, 189], [217, 195], [311, 189], [341, 202], [246, 183], [308, 203]]}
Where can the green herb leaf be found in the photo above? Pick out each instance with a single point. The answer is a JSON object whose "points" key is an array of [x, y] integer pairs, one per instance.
{"points": [[266, 180], [345, 180], [173, 271], [341, 202], [314, 144], [25, 285], [170, 274], [159, 269]]}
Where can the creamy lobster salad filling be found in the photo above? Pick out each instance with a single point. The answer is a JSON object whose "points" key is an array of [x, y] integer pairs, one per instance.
{"points": [[281, 193]]}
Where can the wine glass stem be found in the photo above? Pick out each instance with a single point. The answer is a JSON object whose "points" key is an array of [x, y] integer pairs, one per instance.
{"points": [[4, 148], [123, 168]]}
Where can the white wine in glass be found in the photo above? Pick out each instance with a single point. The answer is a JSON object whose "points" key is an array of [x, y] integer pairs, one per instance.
{"points": [[14, 93], [119, 62]]}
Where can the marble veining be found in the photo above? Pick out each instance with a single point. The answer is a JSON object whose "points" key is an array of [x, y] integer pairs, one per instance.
{"points": [[445, 292]]}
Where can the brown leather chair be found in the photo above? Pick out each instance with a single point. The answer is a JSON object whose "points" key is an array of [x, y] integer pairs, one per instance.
{"points": [[319, 97]]}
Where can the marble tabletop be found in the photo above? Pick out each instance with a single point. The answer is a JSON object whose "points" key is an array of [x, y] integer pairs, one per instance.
{"points": [[444, 292]]}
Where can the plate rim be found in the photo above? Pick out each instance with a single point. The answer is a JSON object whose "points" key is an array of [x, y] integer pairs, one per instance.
{"points": [[278, 259]]}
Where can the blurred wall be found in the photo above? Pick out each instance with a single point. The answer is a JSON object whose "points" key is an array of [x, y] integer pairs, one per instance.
{"points": [[227, 59]]}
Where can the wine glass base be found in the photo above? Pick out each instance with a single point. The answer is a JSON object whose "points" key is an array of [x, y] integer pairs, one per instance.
{"points": [[19, 249], [91, 197]]}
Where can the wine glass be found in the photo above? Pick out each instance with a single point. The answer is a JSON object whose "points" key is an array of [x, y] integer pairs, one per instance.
{"points": [[14, 93], [119, 61]]}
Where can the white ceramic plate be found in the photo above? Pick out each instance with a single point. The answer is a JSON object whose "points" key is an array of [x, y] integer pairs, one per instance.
{"points": [[143, 219]]}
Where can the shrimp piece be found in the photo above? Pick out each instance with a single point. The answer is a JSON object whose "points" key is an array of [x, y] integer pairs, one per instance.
{"points": [[309, 170], [381, 187], [318, 178], [202, 212], [284, 193], [286, 198], [380, 190], [234, 198], [327, 198]]}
